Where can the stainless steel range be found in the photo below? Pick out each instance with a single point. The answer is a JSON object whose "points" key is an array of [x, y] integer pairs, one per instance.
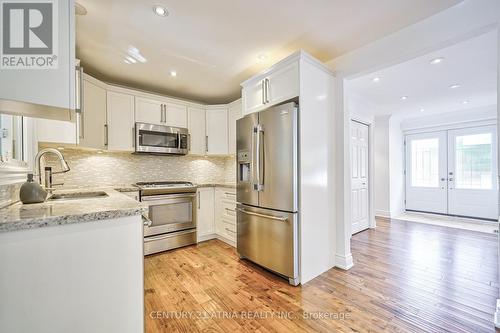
{"points": [[172, 215]]}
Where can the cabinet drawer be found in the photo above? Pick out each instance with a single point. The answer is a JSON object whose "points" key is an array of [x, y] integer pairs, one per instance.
{"points": [[229, 210], [228, 194]]}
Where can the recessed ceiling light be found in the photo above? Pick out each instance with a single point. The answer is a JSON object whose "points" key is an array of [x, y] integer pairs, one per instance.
{"points": [[436, 61], [130, 60], [173, 73], [465, 102], [135, 55], [262, 57], [454, 86], [422, 110], [160, 10], [404, 98], [376, 79]]}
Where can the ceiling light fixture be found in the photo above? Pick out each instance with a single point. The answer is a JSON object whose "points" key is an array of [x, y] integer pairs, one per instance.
{"points": [[130, 60], [262, 57], [465, 102], [173, 73], [436, 61], [422, 110], [160, 11], [454, 86], [376, 79], [404, 98], [135, 54]]}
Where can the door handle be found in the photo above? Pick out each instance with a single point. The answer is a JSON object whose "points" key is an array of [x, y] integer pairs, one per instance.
{"points": [[260, 184], [265, 216]]}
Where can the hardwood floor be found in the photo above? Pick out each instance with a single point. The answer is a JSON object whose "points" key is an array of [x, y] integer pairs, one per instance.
{"points": [[407, 277]]}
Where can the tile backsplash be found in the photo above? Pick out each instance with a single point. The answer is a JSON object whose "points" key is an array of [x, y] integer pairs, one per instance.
{"points": [[90, 168]]}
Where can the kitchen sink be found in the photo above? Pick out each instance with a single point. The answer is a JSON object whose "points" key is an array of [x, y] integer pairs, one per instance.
{"points": [[77, 195]]}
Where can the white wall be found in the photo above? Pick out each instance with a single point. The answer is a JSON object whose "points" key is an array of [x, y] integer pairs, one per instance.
{"points": [[396, 166], [381, 166]]}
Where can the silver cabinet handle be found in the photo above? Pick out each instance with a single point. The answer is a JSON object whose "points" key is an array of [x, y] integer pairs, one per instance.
{"points": [[230, 210], [106, 134], [79, 101], [267, 90], [206, 143], [133, 137], [161, 113], [270, 217], [147, 222], [450, 179], [229, 193], [263, 87], [199, 201], [231, 231], [165, 113]]}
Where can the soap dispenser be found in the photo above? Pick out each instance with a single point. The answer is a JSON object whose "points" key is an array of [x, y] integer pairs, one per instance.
{"points": [[32, 192]]}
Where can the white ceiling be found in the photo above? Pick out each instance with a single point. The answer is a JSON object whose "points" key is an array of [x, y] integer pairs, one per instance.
{"points": [[214, 45], [471, 63]]}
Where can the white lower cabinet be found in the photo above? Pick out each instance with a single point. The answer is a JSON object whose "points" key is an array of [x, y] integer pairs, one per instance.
{"points": [[205, 213], [120, 121], [225, 214]]}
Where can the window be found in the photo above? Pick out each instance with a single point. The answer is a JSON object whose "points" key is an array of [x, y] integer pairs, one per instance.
{"points": [[425, 163], [473, 161]]}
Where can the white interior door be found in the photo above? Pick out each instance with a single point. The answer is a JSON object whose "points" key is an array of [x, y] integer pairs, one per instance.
{"points": [[359, 177], [472, 172], [426, 172]]}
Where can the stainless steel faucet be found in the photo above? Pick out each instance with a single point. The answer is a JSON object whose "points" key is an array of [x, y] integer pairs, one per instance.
{"points": [[48, 171]]}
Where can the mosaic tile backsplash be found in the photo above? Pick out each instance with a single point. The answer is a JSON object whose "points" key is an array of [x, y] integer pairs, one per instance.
{"points": [[90, 168]]}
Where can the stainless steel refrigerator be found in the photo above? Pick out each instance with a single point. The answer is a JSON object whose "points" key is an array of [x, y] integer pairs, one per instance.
{"points": [[267, 189]]}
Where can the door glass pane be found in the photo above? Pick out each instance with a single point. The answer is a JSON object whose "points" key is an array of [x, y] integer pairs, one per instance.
{"points": [[473, 161], [425, 163]]}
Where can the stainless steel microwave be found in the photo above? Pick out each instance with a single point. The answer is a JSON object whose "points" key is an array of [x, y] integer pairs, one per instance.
{"points": [[158, 139]]}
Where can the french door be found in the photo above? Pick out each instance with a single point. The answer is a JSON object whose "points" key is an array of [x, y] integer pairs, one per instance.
{"points": [[453, 172]]}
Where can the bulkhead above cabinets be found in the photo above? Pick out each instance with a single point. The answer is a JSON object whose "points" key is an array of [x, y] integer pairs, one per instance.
{"points": [[109, 114]]}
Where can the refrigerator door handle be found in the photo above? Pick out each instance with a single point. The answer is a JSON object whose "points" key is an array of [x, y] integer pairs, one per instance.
{"points": [[258, 131], [270, 217]]}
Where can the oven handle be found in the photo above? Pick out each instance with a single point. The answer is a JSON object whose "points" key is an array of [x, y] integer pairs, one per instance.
{"points": [[167, 197]]}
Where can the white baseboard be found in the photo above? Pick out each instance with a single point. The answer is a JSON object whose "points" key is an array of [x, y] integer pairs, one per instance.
{"points": [[344, 262], [226, 240], [206, 237], [383, 213], [497, 315]]}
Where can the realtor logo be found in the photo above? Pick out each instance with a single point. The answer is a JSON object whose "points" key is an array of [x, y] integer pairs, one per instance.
{"points": [[29, 34]]}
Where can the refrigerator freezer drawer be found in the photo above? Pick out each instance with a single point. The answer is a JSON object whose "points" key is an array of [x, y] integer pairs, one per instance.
{"points": [[268, 238]]}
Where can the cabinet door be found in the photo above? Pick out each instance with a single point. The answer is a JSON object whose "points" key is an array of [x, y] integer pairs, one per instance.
{"points": [[120, 119], [56, 131], [283, 84], [177, 115], [196, 126], [253, 97], [234, 115], [218, 197], [205, 213], [149, 111], [216, 129], [48, 86], [93, 119]]}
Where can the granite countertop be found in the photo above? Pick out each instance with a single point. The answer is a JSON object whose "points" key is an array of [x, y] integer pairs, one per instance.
{"points": [[51, 213], [225, 185]]}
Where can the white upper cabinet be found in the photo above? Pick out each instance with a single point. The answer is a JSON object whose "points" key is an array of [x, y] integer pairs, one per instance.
{"points": [[50, 79], [92, 122], [150, 111], [120, 120], [196, 127], [205, 213], [234, 115], [56, 131], [177, 115], [278, 84], [217, 130]]}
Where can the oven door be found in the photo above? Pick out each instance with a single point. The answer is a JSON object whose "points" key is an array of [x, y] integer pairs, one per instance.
{"points": [[157, 139], [169, 213]]}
